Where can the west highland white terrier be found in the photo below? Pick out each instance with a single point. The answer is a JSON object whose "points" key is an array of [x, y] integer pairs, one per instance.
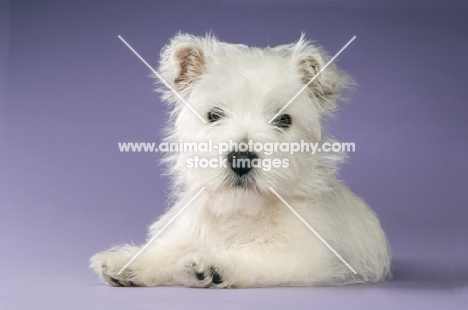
{"points": [[238, 232]]}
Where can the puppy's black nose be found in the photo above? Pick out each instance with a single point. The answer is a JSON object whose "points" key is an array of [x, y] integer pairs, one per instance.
{"points": [[241, 162]]}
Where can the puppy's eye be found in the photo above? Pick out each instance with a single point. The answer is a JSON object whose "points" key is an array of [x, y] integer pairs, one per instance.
{"points": [[215, 115], [283, 121]]}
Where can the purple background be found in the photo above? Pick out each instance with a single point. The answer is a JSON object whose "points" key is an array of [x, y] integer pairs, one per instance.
{"points": [[70, 90]]}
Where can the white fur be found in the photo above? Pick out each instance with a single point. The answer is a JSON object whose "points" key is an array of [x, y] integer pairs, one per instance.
{"points": [[246, 235]]}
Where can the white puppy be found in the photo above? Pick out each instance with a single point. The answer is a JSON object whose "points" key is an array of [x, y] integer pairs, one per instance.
{"points": [[237, 232]]}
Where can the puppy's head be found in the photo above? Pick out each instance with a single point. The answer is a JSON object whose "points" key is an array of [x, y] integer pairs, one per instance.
{"points": [[238, 90]]}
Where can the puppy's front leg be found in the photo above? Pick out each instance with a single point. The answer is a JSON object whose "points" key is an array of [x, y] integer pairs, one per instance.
{"points": [[153, 267], [251, 267]]}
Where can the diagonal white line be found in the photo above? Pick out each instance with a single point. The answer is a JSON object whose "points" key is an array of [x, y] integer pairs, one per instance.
{"points": [[162, 229], [311, 80], [162, 80], [313, 230]]}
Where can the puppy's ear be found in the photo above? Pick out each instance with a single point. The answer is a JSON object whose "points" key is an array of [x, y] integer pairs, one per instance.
{"points": [[183, 61], [328, 86]]}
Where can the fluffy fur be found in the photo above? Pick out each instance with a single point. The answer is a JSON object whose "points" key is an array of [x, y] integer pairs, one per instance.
{"points": [[243, 236]]}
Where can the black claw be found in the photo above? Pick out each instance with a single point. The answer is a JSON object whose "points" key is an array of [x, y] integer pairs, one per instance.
{"points": [[216, 279], [118, 282], [200, 276]]}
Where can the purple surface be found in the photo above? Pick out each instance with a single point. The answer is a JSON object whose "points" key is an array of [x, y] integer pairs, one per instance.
{"points": [[70, 90]]}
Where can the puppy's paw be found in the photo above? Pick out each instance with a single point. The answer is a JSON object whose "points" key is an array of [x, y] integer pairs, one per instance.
{"points": [[200, 271], [107, 265]]}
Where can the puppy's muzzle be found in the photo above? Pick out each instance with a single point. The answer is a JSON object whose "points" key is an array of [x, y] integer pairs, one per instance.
{"points": [[241, 162]]}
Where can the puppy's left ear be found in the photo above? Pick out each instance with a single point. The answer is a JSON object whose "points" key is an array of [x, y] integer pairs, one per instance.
{"points": [[183, 61], [329, 85]]}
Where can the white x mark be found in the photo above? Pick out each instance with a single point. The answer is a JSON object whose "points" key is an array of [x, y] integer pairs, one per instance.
{"points": [[271, 189]]}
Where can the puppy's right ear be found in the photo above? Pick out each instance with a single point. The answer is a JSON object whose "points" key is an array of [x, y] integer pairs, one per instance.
{"points": [[183, 61]]}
